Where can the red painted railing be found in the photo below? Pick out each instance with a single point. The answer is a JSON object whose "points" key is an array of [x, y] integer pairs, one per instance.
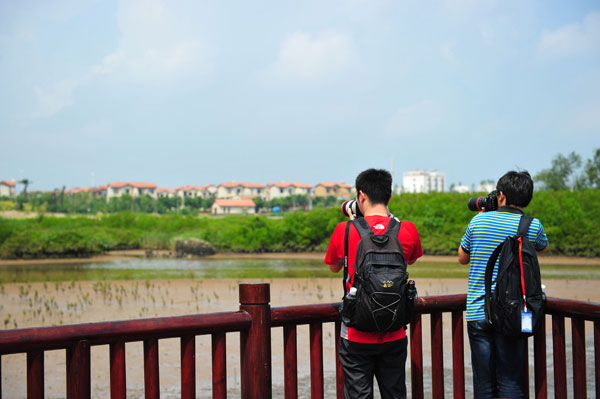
{"points": [[255, 320]]}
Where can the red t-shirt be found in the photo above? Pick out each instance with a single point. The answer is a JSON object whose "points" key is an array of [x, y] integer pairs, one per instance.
{"points": [[408, 236]]}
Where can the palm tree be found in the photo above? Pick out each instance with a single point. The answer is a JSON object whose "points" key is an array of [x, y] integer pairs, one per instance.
{"points": [[25, 183]]}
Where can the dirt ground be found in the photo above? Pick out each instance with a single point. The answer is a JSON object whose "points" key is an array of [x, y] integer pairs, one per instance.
{"points": [[47, 304]]}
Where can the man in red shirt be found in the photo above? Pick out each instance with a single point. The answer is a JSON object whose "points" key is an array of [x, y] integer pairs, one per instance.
{"points": [[364, 355]]}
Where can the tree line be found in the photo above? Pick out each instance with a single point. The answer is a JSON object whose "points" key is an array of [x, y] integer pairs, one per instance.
{"points": [[571, 220]]}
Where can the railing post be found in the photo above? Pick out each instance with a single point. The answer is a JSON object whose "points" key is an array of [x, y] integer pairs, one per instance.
{"points": [[118, 386], [539, 361], [78, 371], [559, 353], [188, 367], [458, 355], [416, 357], [255, 344], [35, 374]]}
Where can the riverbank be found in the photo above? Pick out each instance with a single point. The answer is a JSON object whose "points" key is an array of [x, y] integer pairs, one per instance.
{"points": [[140, 253]]}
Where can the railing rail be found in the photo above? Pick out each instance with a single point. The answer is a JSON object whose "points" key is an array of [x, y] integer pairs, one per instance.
{"points": [[255, 321]]}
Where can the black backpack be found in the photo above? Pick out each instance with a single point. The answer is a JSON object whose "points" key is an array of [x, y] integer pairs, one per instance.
{"points": [[518, 284], [381, 303]]}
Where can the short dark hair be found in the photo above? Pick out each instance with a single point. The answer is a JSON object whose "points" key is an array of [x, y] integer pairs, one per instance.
{"points": [[377, 184], [517, 187]]}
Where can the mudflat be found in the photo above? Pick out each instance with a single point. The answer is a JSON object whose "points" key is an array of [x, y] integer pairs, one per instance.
{"points": [[27, 305]]}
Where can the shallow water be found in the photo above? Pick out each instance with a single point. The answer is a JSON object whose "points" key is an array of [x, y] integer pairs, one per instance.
{"points": [[153, 269]]}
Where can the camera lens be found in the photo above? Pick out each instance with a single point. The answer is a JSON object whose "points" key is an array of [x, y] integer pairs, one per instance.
{"points": [[476, 204]]}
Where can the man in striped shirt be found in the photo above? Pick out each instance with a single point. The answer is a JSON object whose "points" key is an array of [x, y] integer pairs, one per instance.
{"points": [[497, 361]]}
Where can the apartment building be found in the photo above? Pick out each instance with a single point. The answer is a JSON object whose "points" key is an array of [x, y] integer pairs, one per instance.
{"points": [[419, 181]]}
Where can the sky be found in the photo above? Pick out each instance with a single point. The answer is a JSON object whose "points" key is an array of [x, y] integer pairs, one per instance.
{"points": [[196, 92]]}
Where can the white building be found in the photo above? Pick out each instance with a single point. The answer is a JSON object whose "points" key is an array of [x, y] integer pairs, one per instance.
{"points": [[280, 190], [486, 187], [235, 190], [164, 192], [8, 188], [461, 188], [133, 189], [233, 207], [419, 181]]}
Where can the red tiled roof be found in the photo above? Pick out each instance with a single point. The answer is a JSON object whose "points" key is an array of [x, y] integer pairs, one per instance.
{"points": [[77, 190], [247, 185], [100, 188], [329, 184], [165, 190], [285, 185], [189, 188], [228, 203], [7, 183], [136, 185]]}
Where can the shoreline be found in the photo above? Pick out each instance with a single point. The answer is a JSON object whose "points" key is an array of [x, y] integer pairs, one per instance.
{"points": [[141, 253]]}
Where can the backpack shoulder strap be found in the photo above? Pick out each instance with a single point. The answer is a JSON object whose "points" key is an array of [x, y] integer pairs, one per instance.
{"points": [[363, 227], [489, 272], [393, 228], [346, 254], [524, 226]]}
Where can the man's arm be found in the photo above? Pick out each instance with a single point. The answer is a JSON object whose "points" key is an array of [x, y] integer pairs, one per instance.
{"points": [[338, 266], [544, 250], [463, 257]]}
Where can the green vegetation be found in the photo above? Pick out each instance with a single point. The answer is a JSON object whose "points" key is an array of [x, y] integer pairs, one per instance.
{"points": [[571, 220]]}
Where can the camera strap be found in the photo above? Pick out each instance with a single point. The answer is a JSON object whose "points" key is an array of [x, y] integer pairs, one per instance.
{"points": [[346, 254]]}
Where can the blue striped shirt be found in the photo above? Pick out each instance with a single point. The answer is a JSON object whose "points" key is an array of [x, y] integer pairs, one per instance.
{"points": [[486, 231]]}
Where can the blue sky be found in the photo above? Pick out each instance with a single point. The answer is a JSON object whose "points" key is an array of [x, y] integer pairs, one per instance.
{"points": [[193, 92]]}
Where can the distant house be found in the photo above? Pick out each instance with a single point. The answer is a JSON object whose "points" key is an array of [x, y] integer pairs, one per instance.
{"points": [[236, 190], [165, 192], [340, 190], [233, 207], [100, 191], [189, 192], [210, 190], [77, 190], [8, 188], [280, 190], [133, 189]]}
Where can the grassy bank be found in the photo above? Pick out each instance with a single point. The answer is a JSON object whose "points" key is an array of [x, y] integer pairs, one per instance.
{"points": [[571, 220]]}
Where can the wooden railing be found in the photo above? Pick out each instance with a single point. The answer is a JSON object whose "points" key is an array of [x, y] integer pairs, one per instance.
{"points": [[255, 320]]}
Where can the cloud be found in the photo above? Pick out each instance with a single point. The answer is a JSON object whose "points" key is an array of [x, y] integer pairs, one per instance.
{"points": [[447, 51], [49, 101], [155, 43], [305, 57], [421, 117], [572, 40]]}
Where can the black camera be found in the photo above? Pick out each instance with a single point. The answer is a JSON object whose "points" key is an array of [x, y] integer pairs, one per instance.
{"points": [[490, 203], [350, 207]]}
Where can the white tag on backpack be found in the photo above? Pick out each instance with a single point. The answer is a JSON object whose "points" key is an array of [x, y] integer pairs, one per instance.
{"points": [[526, 322]]}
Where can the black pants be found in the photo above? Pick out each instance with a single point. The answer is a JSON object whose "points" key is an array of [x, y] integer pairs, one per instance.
{"points": [[386, 362]]}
